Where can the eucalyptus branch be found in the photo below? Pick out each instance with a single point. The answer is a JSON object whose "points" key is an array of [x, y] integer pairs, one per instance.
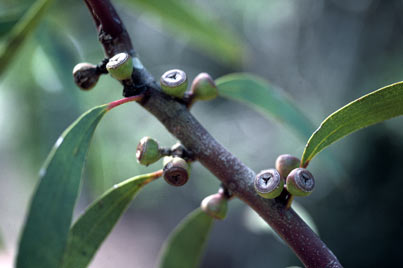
{"points": [[236, 176]]}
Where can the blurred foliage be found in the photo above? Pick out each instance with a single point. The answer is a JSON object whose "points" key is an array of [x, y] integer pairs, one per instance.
{"points": [[322, 53], [188, 20], [8, 20], [271, 102], [257, 225], [20, 31], [2, 246]]}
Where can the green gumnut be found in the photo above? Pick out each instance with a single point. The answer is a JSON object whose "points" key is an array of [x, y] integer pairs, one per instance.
{"points": [[300, 182], [215, 205], [203, 87], [148, 151], [174, 83], [120, 66], [269, 184], [285, 163]]}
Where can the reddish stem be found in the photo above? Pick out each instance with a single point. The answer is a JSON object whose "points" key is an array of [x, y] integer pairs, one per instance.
{"points": [[116, 103]]}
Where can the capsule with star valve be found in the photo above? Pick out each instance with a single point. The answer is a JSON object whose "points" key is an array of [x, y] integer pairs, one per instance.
{"points": [[174, 83], [175, 170], [269, 183], [300, 182], [120, 66]]}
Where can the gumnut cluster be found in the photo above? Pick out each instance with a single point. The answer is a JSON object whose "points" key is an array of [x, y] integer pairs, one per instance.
{"points": [[297, 181], [120, 67], [174, 83]]}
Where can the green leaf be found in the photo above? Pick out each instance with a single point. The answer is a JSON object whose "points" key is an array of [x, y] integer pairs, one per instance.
{"points": [[190, 20], [185, 244], [91, 229], [48, 222], [261, 96], [20, 32], [375, 107]]}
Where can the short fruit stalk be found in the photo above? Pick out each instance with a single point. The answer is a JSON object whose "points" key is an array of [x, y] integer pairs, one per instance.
{"points": [[215, 205]]}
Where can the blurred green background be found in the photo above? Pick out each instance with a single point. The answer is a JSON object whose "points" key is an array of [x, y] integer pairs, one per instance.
{"points": [[323, 54]]}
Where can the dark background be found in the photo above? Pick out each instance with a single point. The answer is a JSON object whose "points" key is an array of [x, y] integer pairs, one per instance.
{"points": [[324, 54]]}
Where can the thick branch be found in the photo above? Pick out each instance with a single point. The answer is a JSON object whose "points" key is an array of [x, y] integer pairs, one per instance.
{"points": [[111, 32], [225, 166]]}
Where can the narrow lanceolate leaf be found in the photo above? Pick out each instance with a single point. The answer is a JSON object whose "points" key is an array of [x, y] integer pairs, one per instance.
{"points": [[188, 20], [375, 107], [20, 31], [185, 244], [90, 230], [261, 96], [48, 222]]}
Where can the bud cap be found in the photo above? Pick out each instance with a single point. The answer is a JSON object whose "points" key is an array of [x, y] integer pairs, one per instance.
{"points": [[285, 163], [215, 205], [85, 75], [203, 87]]}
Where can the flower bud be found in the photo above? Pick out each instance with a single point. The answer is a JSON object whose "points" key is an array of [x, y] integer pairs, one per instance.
{"points": [[174, 83], [175, 171], [120, 66], [215, 205], [148, 151], [285, 163], [300, 182], [85, 75], [203, 87], [269, 184]]}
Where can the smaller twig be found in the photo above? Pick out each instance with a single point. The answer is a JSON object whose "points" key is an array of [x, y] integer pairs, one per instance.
{"points": [[101, 67], [116, 103]]}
